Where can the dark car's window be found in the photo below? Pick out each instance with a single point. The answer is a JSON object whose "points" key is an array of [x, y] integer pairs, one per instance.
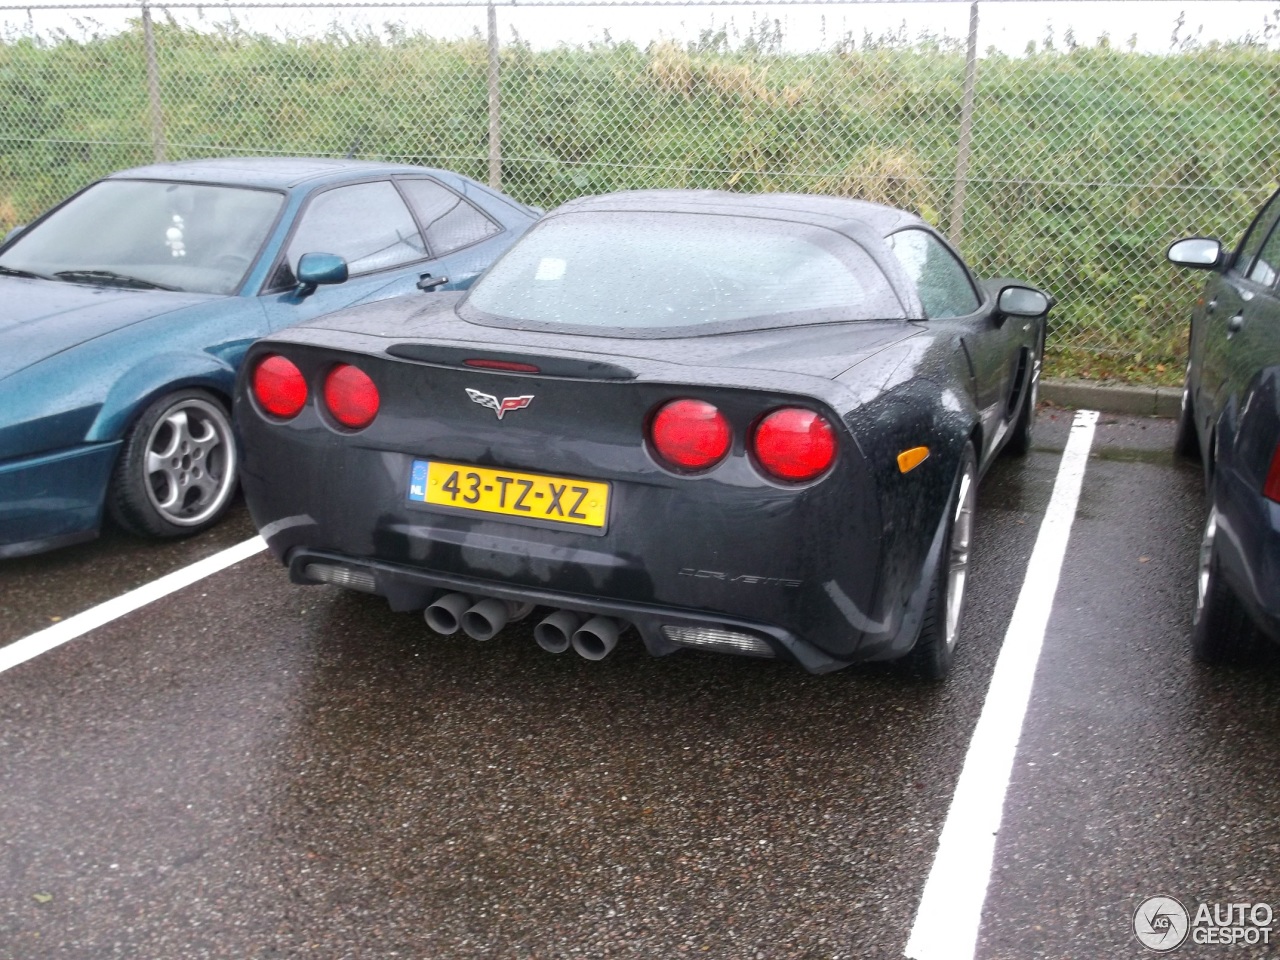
{"points": [[625, 270], [944, 284], [1266, 266], [450, 222], [367, 224], [140, 233], [1252, 243]]}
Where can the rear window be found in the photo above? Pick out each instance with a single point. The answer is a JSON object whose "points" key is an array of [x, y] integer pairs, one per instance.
{"points": [[638, 273]]}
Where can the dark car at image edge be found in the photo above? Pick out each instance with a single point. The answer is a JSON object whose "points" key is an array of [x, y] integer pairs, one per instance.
{"points": [[1231, 423], [748, 424]]}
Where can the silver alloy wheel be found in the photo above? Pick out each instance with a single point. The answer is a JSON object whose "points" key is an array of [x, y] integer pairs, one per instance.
{"points": [[190, 462], [1206, 562], [958, 561]]}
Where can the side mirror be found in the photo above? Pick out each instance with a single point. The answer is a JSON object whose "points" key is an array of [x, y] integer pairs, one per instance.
{"points": [[13, 232], [1199, 253], [1016, 301], [317, 268]]}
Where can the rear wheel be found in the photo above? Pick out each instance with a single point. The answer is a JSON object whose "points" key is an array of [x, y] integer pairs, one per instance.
{"points": [[177, 471], [1221, 630], [935, 647]]}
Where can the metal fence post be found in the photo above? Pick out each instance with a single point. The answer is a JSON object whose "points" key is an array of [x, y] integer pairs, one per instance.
{"points": [[495, 130], [965, 144], [153, 85]]}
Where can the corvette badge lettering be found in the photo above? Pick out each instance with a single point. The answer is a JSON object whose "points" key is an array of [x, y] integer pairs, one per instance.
{"points": [[499, 407]]}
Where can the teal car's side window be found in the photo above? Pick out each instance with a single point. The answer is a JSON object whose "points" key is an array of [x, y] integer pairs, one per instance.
{"points": [[449, 221], [367, 224]]}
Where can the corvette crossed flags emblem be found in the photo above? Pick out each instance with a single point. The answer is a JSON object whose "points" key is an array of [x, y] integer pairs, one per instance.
{"points": [[499, 407]]}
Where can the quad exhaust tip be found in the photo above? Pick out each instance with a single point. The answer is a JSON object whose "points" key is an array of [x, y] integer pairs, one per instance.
{"points": [[445, 615], [486, 618], [483, 618], [554, 634], [596, 638]]}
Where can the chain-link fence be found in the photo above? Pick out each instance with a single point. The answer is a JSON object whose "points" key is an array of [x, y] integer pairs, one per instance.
{"points": [[1068, 161]]}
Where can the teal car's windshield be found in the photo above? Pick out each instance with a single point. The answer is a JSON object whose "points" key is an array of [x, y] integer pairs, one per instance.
{"points": [[148, 234], [633, 271]]}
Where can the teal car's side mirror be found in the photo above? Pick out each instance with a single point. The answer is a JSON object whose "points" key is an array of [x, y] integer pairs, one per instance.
{"points": [[315, 269]]}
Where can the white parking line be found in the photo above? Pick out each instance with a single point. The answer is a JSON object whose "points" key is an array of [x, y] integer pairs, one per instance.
{"points": [[946, 926], [20, 651]]}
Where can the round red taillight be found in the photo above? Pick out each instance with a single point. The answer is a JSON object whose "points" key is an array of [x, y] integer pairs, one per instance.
{"points": [[279, 386], [351, 396], [690, 434], [794, 444]]}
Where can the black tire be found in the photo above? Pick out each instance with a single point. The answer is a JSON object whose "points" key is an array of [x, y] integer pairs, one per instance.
{"points": [[1221, 631], [1185, 442], [935, 648], [177, 470]]}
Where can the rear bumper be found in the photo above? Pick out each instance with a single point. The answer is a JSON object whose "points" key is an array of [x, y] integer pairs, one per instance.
{"points": [[411, 589], [53, 499]]}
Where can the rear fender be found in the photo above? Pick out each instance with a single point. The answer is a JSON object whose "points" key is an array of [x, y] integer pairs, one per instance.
{"points": [[919, 413], [156, 376]]}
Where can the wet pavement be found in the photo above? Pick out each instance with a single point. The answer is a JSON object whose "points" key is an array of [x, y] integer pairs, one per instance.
{"points": [[253, 769]]}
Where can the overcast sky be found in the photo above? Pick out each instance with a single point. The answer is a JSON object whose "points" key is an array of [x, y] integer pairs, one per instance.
{"points": [[1006, 26]]}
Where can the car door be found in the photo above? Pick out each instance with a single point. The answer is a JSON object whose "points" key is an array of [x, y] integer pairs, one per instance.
{"points": [[386, 246], [950, 297], [1250, 343], [1226, 307]]}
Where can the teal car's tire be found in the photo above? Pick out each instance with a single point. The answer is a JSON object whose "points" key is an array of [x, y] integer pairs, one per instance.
{"points": [[177, 470]]}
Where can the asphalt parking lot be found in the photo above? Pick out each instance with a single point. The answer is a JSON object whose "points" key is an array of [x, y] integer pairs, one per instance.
{"points": [[246, 768]]}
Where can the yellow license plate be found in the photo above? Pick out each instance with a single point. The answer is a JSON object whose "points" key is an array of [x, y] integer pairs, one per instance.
{"points": [[534, 496]]}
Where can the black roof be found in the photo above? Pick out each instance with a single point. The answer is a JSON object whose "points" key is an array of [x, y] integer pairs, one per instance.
{"points": [[809, 208]]}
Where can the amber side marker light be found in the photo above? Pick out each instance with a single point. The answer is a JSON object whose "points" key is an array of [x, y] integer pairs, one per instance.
{"points": [[908, 460]]}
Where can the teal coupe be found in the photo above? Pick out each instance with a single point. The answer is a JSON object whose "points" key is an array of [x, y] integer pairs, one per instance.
{"points": [[125, 312]]}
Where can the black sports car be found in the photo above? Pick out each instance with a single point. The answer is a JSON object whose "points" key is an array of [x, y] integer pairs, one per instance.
{"points": [[1231, 421], [751, 424]]}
